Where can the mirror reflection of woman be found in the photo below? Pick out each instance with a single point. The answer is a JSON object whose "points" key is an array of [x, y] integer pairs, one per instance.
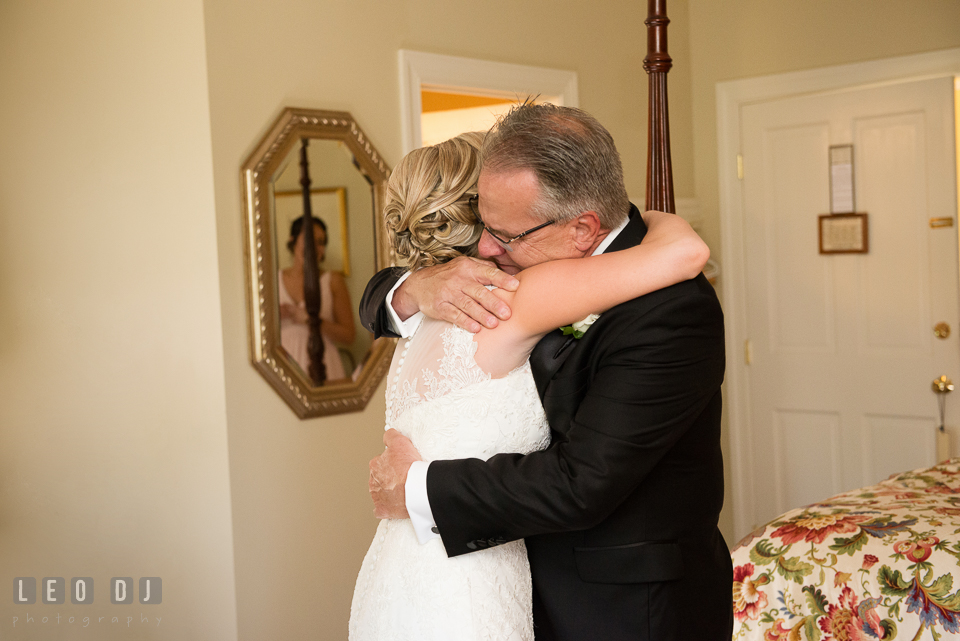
{"points": [[336, 315]]}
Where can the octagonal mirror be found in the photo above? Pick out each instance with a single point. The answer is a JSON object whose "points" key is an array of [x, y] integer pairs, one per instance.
{"points": [[339, 205]]}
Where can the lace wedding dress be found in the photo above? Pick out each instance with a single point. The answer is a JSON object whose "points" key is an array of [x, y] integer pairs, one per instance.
{"points": [[438, 397]]}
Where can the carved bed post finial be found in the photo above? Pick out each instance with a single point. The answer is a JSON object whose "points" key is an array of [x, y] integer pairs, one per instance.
{"points": [[311, 275], [657, 64]]}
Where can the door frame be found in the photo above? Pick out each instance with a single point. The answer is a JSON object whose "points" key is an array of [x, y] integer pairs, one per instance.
{"points": [[419, 69], [731, 97]]}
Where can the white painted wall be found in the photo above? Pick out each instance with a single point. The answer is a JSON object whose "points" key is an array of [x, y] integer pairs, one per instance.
{"points": [[113, 424]]}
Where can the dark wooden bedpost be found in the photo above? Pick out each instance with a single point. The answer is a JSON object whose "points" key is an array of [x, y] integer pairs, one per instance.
{"points": [[311, 275], [657, 64]]}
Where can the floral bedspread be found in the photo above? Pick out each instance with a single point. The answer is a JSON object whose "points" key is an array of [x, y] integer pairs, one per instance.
{"points": [[874, 563]]}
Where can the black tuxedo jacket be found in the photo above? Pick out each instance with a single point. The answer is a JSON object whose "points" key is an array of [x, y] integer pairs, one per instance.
{"points": [[620, 512]]}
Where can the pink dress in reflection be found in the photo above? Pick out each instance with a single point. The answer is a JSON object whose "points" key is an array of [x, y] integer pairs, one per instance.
{"points": [[295, 336]]}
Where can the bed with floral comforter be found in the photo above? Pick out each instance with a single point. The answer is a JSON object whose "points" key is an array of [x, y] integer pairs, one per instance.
{"points": [[874, 563]]}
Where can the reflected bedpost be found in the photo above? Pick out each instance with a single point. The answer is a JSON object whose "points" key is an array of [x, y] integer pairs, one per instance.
{"points": [[311, 275]]}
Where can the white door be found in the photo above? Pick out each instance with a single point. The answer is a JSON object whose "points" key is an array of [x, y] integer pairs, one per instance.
{"points": [[841, 347]]}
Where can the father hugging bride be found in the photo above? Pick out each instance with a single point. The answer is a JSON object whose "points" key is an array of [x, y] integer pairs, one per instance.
{"points": [[615, 504]]}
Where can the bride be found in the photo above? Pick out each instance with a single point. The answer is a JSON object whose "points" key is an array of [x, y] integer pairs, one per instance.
{"points": [[461, 395]]}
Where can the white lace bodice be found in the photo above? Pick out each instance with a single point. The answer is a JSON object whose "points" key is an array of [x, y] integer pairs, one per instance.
{"points": [[439, 398]]}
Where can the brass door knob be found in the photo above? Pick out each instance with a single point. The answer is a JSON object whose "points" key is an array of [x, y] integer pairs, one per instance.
{"points": [[941, 330], [942, 385]]}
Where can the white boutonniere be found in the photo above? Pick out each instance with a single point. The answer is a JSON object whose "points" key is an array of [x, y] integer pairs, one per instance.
{"points": [[580, 328]]}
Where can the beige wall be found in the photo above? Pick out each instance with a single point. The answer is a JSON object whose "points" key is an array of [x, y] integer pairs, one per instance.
{"points": [[113, 455], [731, 40]]}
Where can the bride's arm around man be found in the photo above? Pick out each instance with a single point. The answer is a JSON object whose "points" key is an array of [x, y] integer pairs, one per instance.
{"points": [[620, 512]]}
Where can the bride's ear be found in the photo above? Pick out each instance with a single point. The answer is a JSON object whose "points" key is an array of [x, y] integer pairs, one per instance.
{"points": [[585, 228]]}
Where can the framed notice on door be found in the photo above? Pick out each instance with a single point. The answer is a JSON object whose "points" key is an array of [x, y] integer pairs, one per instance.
{"points": [[844, 234]]}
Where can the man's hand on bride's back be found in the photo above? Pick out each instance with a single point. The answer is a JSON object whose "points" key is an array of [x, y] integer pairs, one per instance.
{"points": [[456, 292], [388, 476]]}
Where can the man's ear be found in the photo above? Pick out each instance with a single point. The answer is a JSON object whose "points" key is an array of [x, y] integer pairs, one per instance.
{"points": [[586, 227]]}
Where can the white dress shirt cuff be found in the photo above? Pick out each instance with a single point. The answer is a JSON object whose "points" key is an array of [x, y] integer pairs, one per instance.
{"points": [[418, 505], [407, 328]]}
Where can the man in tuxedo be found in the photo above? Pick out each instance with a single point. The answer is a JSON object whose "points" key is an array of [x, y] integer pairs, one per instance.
{"points": [[620, 512]]}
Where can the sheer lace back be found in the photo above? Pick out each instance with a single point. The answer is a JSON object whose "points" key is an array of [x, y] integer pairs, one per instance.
{"points": [[450, 408], [437, 366], [435, 361]]}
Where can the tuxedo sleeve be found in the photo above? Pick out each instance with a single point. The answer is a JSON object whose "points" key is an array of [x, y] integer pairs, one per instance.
{"points": [[653, 366], [373, 311]]}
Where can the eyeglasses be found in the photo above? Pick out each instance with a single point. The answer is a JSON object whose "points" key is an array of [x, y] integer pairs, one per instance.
{"points": [[505, 243]]}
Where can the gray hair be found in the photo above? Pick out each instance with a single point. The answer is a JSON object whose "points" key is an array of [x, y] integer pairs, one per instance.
{"points": [[572, 155]]}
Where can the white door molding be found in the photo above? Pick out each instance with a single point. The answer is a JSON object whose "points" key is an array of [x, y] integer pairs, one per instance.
{"points": [[420, 70], [731, 97]]}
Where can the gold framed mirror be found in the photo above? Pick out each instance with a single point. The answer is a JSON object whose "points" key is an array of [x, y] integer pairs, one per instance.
{"points": [[346, 189]]}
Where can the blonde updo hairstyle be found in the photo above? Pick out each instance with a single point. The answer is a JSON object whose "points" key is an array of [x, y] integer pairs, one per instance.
{"points": [[428, 216]]}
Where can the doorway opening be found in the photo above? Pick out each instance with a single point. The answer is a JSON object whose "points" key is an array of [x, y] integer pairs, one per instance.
{"points": [[453, 95], [445, 114]]}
